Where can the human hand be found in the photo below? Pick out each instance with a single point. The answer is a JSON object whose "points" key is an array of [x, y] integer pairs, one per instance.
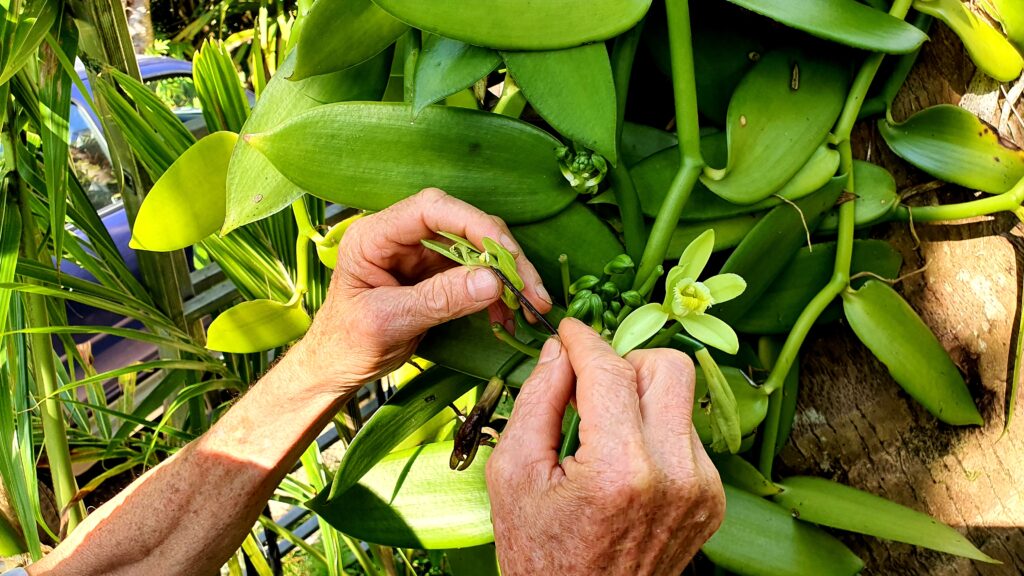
{"points": [[388, 289], [639, 497]]}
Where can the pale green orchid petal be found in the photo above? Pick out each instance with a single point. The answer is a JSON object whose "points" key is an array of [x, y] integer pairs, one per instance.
{"points": [[711, 331], [725, 287], [640, 325], [696, 255]]}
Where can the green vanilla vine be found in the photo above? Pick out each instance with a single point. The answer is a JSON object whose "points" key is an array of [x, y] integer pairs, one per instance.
{"points": [[1009, 201], [633, 228], [684, 89], [844, 246]]}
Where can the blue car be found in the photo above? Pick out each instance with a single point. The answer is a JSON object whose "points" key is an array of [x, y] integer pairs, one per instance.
{"points": [[171, 80]]}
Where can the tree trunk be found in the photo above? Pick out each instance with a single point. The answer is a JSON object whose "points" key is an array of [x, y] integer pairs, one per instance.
{"points": [[855, 425], [140, 24]]}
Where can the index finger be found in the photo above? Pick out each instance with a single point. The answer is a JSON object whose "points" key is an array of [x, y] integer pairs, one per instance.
{"points": [[606, 389], [424, 214]]}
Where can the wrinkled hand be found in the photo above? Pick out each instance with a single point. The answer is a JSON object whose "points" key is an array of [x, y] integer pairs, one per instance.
{"points": [[639, 497], [387, 289]]}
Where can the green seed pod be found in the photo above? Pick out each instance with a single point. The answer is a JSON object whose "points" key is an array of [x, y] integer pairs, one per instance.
{"points": [[615, 306], [609, 290], [583, 283], [897, 336], [619, 265], [633, 299]]}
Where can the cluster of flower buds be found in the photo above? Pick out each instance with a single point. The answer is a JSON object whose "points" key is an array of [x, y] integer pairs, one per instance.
{"points": [[603, 301], [582, 168]]}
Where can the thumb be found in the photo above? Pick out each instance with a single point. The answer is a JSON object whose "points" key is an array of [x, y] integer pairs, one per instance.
{"points": [[534, 431], [448, 295]]}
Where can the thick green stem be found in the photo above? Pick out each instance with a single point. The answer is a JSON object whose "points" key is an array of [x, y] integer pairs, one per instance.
{"points": [[634, 230], [684, 89], [55, 439], [1006, 202], [844, 249]]}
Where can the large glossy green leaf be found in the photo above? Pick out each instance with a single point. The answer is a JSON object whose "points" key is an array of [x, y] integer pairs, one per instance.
{"points": [[257, 325], [640, 141], [573, 90], [897, 336], [377, 157], [446, 66], [952, 144], [766, 250], [758, 538], [806, 274], [989, 49], [339, 34], [654, 175], [255, 188], [414, 405], [837, 506], [876, 197], [589, 247], [521, 24], [412, 499], [779, 115], [845, 21], [187, 203], [466, 345]]}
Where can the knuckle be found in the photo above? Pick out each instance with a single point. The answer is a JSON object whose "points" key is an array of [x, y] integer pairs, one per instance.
{"points": [[498, 221], [437, 296], [431, 194]]}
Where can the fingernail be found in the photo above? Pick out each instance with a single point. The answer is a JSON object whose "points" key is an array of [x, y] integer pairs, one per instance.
{"points": [[509, 244], [551, 350], [542, 292], [482, 285]]}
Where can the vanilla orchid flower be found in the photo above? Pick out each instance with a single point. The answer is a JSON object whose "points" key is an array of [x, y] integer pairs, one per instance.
{"points": [[687, 301]]}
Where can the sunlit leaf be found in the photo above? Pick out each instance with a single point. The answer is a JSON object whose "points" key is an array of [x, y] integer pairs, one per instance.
{"points": [[446, 66], [412, 499], [187, 203], [989, 49], [257, 325], [339, 34]]}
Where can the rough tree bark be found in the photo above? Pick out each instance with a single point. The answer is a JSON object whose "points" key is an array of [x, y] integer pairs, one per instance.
{"points": [[855, 425], [140, 24]]}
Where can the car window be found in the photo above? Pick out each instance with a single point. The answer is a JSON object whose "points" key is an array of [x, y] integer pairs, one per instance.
{"points": [[179, 94], [91, 160]]}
